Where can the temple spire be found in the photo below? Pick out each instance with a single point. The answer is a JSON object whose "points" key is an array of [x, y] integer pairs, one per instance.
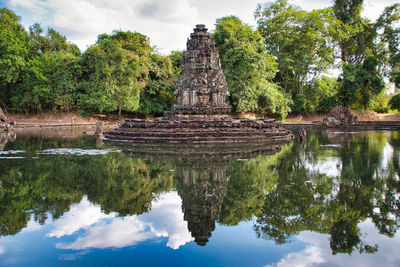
{"points": [[201, 88]]}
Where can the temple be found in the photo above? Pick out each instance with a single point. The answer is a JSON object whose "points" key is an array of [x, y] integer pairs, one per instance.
{"points": [[201, 88], [201, 114]]}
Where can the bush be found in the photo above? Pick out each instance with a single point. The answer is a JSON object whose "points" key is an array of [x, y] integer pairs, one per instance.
{"points": [[394, 102], [328, 103]]}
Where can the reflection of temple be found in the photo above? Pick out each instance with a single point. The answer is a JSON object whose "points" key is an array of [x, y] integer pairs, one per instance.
{"points": [[202, 188], [342, 138], [200, 177]]}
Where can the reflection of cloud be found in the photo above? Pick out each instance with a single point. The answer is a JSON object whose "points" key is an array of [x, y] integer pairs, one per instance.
{"points": [[121, 232], [167, 216], [330, 166], [73, 256], [2, 250], [164, 220], [318, 253], [31, 226], [310, 256], [80, 216]]}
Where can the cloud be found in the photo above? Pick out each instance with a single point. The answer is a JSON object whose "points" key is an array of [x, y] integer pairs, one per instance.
{"points": [[167, 23], [101, 231], [2, 250], [149, 9], [318, 253]]}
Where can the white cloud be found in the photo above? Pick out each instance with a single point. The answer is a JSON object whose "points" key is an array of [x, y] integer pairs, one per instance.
{"points": [[318, 253], [167, 23], [82, 20], [164, 220], [2, 250]]}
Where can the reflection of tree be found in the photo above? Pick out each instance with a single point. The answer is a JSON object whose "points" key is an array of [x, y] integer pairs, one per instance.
{"points": [[308, 200], [249, 180], [50, 184], [281, 191], [202, 176]]}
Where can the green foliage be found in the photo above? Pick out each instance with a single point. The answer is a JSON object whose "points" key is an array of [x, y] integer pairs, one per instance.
{"points": [[394, 102], [176, 59], [112, 71], [380, 102], [359, 83], [321, 94], [157, 95], [300, 41], [14, 50], [50, 83], [52, 74], [389, 23], [369, 51], [248, 69]]}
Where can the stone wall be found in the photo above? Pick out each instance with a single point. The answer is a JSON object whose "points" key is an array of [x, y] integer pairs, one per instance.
{"points": [[200, 130]]}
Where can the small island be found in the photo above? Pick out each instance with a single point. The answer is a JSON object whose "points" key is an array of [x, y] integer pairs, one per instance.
{"points": [[201, 114]]}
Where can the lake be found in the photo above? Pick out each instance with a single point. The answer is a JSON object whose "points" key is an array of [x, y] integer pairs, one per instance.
{"points": [[67, 199]]}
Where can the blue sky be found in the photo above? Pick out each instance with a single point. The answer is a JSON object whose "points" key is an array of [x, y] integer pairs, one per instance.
{"points": [[168, 23]]}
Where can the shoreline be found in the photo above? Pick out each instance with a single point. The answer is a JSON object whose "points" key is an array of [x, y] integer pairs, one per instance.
{"points": [[367, 119]]}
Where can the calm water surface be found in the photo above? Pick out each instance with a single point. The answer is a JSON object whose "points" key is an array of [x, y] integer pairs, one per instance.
{"points": [[69, 200]]}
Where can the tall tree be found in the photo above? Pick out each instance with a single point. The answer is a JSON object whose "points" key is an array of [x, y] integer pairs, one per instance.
{"points": [[113, 71], [353, 27], [300, 41], [249, 70], [388, 22], [14, 50], [369, 51], [52, 74], [157, 95]]}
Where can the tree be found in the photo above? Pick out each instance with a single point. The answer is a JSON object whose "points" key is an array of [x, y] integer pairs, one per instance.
{"points": [[369, 51], [300, 41], [113, 71], [248, 69], [52, 74], [321, 94], [389, 23], [14, 49], [157, 95], [359, 83], [176, 59], [395, 102], [354, 28]]}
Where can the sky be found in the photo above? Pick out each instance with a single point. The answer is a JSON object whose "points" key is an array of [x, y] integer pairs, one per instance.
{"points": [[168, 23]]}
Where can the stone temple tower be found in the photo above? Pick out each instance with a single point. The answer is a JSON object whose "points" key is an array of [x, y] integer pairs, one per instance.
{"points": [[201, 88]]}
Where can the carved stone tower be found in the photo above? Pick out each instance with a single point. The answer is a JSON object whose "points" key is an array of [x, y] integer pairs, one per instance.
{"points": [[201, 88]]}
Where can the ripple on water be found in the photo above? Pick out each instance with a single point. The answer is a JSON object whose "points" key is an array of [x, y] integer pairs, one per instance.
{"points": [[77, 151]]}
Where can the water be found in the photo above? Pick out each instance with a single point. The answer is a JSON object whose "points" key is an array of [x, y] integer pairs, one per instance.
{"points": [[67, 199]]}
